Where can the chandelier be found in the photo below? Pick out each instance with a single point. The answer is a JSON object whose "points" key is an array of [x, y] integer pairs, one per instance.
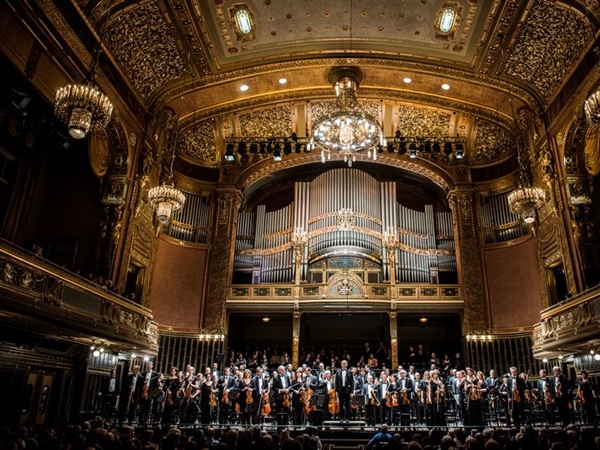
{"points": [[83, 107], [525, 201], [166, 199], [348, 130]]}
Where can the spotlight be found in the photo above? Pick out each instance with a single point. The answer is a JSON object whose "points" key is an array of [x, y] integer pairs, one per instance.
{"points": [[447, 147], [96, 353], [427, 147], [402, 148], [277, 154], [380, 148], [266, 319], [412, 150], [436, 147], [270, 147], [254, 148], [597, 356], [229, 156], [398, 134], [263, 147], [460, 151], [287, 147], [242, 148], [390, 147], [294, 137]]}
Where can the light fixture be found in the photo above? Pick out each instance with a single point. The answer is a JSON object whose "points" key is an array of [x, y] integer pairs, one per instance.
{"points": [[560, 357], [96, 353], [423, 319], [266, 319], [445, 86], [244, 87], [526, 199], [83, 107], [133, 356], [545, 360], [460, 151], [407, 80], [597, 357], [229, 156], [166, 199], [348, 130], [283, 80]]}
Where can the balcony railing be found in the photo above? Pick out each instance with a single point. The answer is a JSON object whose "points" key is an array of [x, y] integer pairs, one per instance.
{"points": [[569, 327], [57, 302]]}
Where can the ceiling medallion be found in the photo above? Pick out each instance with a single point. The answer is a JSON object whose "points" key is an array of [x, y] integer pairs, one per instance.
{"points": [[348, 130]]}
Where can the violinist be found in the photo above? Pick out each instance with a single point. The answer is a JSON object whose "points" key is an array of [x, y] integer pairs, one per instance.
{"points": [[207, 393], [405, 392], [545, 397], [586, 393], [299, 393], [281, 393], [503, 395], [560, 387], [148, 389], [191, 390], [516, 386], [327, 387], [474, 413], [438, 393], [261, 396], [245, 398], [158, 400], [226, 395], [384, 392], [393, 410], [132, 389], [419, 397], [171, 387], [372, 401]]}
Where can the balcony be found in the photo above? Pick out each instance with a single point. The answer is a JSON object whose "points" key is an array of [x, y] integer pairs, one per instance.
{"points": [[44, 299], [570, 327]]}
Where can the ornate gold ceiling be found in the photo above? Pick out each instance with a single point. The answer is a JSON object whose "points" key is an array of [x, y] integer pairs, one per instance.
{"points": [[188, 55]]}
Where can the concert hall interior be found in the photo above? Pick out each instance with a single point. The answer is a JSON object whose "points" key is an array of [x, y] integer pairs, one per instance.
{"points": [[186, 181]]}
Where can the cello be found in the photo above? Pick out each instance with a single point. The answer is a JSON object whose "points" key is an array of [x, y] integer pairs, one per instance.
{"points": [[265, 407], [333, 406]]}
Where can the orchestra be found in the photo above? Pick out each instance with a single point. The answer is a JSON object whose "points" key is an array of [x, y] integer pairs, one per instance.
{"points": [[432, 398]]}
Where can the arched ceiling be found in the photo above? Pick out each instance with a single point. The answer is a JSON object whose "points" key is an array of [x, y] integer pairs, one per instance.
{"points": [[500, 56]]}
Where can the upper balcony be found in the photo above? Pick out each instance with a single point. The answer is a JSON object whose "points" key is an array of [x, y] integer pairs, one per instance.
{"points": [[50, 301], [570, 327]]}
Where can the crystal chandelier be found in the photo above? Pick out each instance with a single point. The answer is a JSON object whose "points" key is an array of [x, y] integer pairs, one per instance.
{"points": [[525, 201], [166, 199], [348, 130], [83, 107]]}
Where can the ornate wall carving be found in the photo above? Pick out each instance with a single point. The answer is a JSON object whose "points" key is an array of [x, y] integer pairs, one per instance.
{"points": [[412, 120], [276, 121], [492, 142], [199, 143]]}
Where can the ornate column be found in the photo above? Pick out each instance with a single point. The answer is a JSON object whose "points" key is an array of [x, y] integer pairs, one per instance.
{"points": [[299, 241], [390, 242], [394, 336], [468, 258], [220, 266], [296, 336]]}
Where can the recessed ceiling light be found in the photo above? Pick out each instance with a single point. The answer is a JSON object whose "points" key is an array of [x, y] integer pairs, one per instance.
{"points": [[244, 87], [283, 80], [407, 80], [445, 86]]}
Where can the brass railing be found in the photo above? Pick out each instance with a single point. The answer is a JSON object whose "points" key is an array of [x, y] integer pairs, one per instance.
{"points": [[54, 298]]}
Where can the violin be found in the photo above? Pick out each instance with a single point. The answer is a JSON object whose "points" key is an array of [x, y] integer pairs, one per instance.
{"points": [[225, 396], [389, 400], [515, 396], [405, 398], [333, 406], [169, 398], [374, 400], [249, 397], [265, 408], [307, 407], [580, 396], [286, 399], [474, 395]]}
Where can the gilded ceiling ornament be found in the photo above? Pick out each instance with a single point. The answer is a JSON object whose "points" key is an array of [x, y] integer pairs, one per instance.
{"points": [[545, 51], [276, 121], [138, 33], [413, 120], [198, 142], [491, 143]]}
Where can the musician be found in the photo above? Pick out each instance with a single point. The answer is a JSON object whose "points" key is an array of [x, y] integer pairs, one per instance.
{"points": [[418, 399], [517, 386], [503, 397], [215, 370], [227, 392], [360, 380], [130, 395], [158, 400], [384, 393], [473, 391], [545, 397], [406, 389], [560, 387], [172, 390], [261, 394], [438, 393], [586, 394], [372, 400], [148, 390], [281, 392], [326, 387], [344, 386], [393, 410], [459, 394], [298, 398], [109, 393], [191, 389], [527, 399]]}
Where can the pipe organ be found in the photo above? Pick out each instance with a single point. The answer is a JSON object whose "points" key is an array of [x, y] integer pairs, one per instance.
{"points": [[499, 222], [191, 223], [344, 214]]}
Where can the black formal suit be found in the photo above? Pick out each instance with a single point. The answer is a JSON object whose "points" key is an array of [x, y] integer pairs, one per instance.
{"points": [[516, 407], [544, 392], [260, 386], [226, 397], [561, 388], [405, 388], [344, 387], [281, 384], [130, 396], [149, 388], [109, 392]]}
